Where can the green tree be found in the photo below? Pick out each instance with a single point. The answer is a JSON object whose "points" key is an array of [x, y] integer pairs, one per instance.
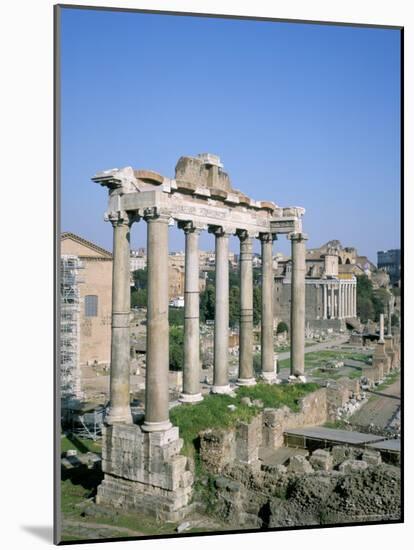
{"points": [[176, 316], [140, 278], [176, 345], [282, 327], [234, 306], [207, 303], [365, 309], [139, 297], [257, 304]]}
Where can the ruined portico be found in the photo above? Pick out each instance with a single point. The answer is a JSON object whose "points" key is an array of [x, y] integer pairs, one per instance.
{"points": [[200, 197]]}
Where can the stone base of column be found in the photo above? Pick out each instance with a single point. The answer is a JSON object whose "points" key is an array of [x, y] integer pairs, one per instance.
{"points": [[119, 416], [270, 377], [221, 389], [295, 378], [156, 426], [246, 381], [190, 398], [155, 480]]}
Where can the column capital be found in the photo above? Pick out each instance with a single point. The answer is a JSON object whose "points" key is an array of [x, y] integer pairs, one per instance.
{"points": [[297, 237], [191, 227], [221, 230], [154, 213], [267, 237], [121, 217], [245, 234]]}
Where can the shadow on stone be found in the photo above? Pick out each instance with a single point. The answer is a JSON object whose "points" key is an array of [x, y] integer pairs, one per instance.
{"points": [[264, 514]]}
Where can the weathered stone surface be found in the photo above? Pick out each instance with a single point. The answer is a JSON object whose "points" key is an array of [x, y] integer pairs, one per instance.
{"points": [[298, 464], [340, 453], [351, 466], [217, 449], [313, 411], [144, 471], [249, 439], [321, 460], [372, 458]]}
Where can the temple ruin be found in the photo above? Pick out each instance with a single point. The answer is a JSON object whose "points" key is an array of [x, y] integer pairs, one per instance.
{"points": [[141, 462]]}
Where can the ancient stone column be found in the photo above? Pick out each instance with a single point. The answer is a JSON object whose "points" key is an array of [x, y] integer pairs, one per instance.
{"points": [[119, 409], [246, 374], [191, 371], [381, 328], [267, 362], [339, 300], [325, 301], [346, 299], [297, 323], [157, 363], [355, 300], [221, 323], [389, 330]]}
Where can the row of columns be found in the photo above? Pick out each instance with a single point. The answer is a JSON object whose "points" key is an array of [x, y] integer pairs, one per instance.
{"points": [[156, 383], [339, 300]]}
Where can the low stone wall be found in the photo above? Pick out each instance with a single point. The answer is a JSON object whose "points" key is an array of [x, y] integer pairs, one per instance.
{"points": [[219, 448]]}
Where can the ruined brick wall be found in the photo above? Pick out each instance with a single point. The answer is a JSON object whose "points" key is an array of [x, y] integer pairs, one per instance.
{"points": [[217, 449]]}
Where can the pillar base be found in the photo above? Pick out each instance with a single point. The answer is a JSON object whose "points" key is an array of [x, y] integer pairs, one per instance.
{"points": [[221, 389], [120, 416], [246, 382], [156, 426], [155, 480], [270, 377], [190, 398], [297, 378]]}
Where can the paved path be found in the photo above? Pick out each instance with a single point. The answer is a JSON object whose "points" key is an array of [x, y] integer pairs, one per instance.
{"points": [[318, 347], [380, 407]]}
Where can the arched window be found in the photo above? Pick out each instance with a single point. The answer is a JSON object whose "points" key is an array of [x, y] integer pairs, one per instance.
{"points": [[91, 305], [348, 261]]}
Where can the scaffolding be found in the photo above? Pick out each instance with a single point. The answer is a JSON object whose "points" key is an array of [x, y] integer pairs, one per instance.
{"points": [[70, 376]]}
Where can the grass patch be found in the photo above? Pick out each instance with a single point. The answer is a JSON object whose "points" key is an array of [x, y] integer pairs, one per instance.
{"points": [[82, 445], [315, 358], [391, 378]]}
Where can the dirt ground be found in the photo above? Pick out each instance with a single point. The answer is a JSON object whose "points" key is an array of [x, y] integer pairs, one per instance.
{"points": [[380, 408]]}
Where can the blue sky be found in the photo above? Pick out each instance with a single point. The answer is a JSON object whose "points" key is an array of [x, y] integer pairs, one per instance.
{"points": [[301, 114]]}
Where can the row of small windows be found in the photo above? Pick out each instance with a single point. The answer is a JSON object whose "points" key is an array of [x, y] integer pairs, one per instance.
{"points": [[91, 305]]}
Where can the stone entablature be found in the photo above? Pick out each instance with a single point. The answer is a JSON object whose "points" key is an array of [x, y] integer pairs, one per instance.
{"points": [[143, 192]]}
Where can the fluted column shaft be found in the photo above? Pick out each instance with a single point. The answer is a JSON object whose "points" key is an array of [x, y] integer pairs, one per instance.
{"points": [[191, 371], [156, 381], [221, 324], [119, 410], [297, 323], [325, 301], [268, 367], [246, 374]]}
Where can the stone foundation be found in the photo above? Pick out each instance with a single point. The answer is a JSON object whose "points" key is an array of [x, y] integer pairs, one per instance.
{"points": [[145, 472]]}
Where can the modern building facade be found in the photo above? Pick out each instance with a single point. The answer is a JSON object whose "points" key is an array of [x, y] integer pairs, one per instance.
{"points": [[95, 298]]}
